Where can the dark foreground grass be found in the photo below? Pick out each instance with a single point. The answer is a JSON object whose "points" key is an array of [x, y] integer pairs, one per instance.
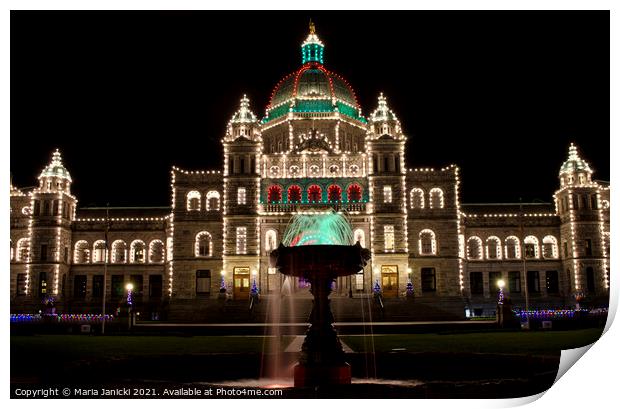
{"points": [[535, 342], [80, 346], [84, 346]]}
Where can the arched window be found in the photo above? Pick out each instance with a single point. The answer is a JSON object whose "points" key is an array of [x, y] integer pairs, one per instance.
{"points": [[203, 246], [294, 194], [99, 251], [530, 247], [156, 251], [213, 200], [138, 252], [427, 243], [334, 193], [271, 240], [550, 247], [81, 252], [274, 194], [193, 200], [23, 249], [354, 193], [436, 198], [474, 248], [512, 249], [359, 235], [494, 248], [314, 194], [119, 251], [416, 198]]}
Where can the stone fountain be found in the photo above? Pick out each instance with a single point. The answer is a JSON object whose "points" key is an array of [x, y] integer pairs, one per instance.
{"points": [[319, 250]]}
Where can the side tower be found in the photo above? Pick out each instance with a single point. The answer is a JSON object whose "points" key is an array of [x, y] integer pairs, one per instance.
{"points": [[53, 210], [584, 228], [386, 147], [240, 202]]}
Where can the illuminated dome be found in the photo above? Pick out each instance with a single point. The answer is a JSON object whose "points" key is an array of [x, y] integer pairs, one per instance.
{"points": [[574, 163], [312, 88], [56, 169]]}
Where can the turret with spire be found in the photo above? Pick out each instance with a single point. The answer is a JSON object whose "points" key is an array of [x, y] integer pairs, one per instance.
{"points": [[383, 121], [55, 177], [243, 123], [575, 170]]}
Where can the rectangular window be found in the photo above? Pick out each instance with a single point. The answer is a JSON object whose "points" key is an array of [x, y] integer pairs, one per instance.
{"points": [[494, 277], [514, 282], [21, 284], [429, 282], [79, 287], [588, 244], [565, 250], [155, 286], [241, 196], [56, 210], [65, 255], [359, 282], [117, 286], [203, 282], [476, 284], [387, 194], [242, 240], [44, 252], [37, 208], [533, 282], [552, 283], [138, 284], [272, 270], [388, 232], [46, 208], [593, 202], [98, 285], [42, 283]]}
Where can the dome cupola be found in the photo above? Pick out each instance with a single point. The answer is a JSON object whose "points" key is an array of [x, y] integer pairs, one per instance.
{"points": [[312, 48], [575, 170]]}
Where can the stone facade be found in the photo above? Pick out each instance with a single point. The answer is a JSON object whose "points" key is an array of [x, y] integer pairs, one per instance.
{"points": [[312, 152]]}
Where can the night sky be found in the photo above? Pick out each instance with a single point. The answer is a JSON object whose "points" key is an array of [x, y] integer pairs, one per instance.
{"points": [[126, 95]]}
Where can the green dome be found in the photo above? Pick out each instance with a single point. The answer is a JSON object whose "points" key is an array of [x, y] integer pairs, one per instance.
{"points": [[312, 88]]}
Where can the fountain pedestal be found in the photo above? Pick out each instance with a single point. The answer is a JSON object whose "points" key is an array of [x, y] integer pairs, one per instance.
{"points": [[322, 360]]}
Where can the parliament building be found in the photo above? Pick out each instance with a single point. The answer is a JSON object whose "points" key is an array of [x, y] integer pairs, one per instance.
{"points": [[313, 151]]}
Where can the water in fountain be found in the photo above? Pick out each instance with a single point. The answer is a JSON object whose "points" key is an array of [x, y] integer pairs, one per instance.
{"points": [[321, 228]]}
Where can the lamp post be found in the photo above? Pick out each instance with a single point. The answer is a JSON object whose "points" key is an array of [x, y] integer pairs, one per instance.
{"points": [[500, 302], [129, 288]]}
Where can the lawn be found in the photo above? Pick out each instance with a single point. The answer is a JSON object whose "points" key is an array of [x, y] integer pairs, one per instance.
{"points": [[535, 342], [80, 346]]}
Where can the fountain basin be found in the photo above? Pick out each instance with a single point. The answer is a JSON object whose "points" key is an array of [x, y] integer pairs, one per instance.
{"points": [[319, 261]]}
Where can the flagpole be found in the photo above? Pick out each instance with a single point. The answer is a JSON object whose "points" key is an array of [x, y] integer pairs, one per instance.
{"points": [[105, 269], [527, 294]]}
